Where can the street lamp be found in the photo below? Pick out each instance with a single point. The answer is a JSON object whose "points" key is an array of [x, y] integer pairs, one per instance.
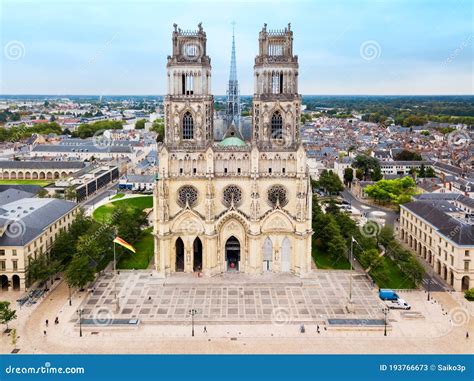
{"points": [[429, 286], [79, 312], [192, 312], [385, 311]]}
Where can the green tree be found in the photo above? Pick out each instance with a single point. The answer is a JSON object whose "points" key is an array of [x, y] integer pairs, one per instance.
{"points": [[42, 193], [406, 155], [6, 313], [140, 124], [369, 165], [330, 182], [396, 191], [360, 174], [369, 258], [348, 175], [337, 246], [38, 270], [422, 172], [385, 235], [129, 222], [79, 272], [70, 193], [413, 269], [430, 172], [159, 127]]}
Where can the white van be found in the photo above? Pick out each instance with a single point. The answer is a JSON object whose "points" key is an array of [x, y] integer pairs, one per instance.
{"points": [[399, 304]]}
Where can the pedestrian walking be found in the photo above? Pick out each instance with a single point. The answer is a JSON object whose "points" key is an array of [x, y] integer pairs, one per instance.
{"points": [[47, 322], [44, 332], [56, 321], [204, 330], [467, 335], [317, 329]]}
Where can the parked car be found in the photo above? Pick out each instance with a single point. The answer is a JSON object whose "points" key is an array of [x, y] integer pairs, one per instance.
{"points": [[399, 304]]}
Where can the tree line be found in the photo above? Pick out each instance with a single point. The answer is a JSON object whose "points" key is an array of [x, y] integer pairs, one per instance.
{"points": [[87, 248]]}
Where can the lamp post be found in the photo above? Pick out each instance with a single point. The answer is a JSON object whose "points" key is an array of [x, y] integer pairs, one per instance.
{"points": [[385, 313], [79, 312], [192, 312], [429, 286]]}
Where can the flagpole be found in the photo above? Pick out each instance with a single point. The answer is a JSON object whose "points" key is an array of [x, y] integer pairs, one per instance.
{"points": [[349, 306], [117, 305], [350, 278]]}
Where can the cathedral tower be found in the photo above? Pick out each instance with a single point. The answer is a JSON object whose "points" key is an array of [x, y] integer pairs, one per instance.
{"points": [[189, 103], [276, 103]]}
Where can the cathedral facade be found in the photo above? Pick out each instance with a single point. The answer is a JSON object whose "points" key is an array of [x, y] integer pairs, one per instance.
{"points": [[232, 205]]}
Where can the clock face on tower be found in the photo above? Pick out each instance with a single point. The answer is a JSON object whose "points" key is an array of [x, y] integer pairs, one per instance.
{"points": [[191, 51]]}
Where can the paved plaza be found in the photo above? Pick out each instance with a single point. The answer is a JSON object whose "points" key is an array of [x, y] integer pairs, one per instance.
{"points": [[230, 298]]}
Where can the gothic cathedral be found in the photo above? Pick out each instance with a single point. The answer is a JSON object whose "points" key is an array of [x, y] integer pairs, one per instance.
{"points": [[232, 205]]}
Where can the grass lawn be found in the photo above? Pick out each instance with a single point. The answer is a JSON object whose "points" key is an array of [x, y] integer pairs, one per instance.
{"points": [[141, 259], [41, 183], [117, 196], [326, 261], [104, 212], [396, 278]]}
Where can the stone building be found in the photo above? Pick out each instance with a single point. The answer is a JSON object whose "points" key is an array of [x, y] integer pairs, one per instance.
{"points": [[232, 205], [440, 229]]}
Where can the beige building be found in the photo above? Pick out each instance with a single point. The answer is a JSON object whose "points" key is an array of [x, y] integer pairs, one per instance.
{"points": [[233, 205], [440, 229], [28, 228]]}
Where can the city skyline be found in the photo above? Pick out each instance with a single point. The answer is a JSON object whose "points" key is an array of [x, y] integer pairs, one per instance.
{"points": [[345, 48]]}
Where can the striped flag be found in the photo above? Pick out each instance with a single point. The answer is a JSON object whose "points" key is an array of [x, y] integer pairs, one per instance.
{"points": [[124, 243]]}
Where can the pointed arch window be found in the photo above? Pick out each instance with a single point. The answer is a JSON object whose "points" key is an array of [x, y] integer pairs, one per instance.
{"points": [[277, 126], [188, 126]]}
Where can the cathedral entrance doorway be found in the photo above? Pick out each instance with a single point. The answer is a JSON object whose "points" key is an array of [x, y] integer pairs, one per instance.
{"points": [[197, 255], [232, 254], [267, 254], [179, 255]]}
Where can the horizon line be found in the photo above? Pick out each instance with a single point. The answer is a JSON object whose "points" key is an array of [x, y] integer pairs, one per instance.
{"points": [[242, 95]]}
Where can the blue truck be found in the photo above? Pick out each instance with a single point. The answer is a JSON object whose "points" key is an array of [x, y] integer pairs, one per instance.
{"points": [[387, 294]]}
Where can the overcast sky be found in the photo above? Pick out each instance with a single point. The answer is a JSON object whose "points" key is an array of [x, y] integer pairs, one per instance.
{"points": [[344, 47]]}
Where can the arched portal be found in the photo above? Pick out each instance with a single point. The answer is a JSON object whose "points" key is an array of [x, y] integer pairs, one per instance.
{"points": [[267, 254], [285, 255], [16, 282], [197, 254], [465, 283], [179, 255], [232, 254], [4, 281]]}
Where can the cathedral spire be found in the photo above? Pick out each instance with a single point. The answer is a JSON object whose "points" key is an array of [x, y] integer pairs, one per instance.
{"points": [[233, 96]]}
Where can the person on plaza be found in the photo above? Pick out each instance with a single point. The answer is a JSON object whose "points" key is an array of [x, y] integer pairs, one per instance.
{"points": [[204, 330], [47, 322], [44, 332], [56, 321]]}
